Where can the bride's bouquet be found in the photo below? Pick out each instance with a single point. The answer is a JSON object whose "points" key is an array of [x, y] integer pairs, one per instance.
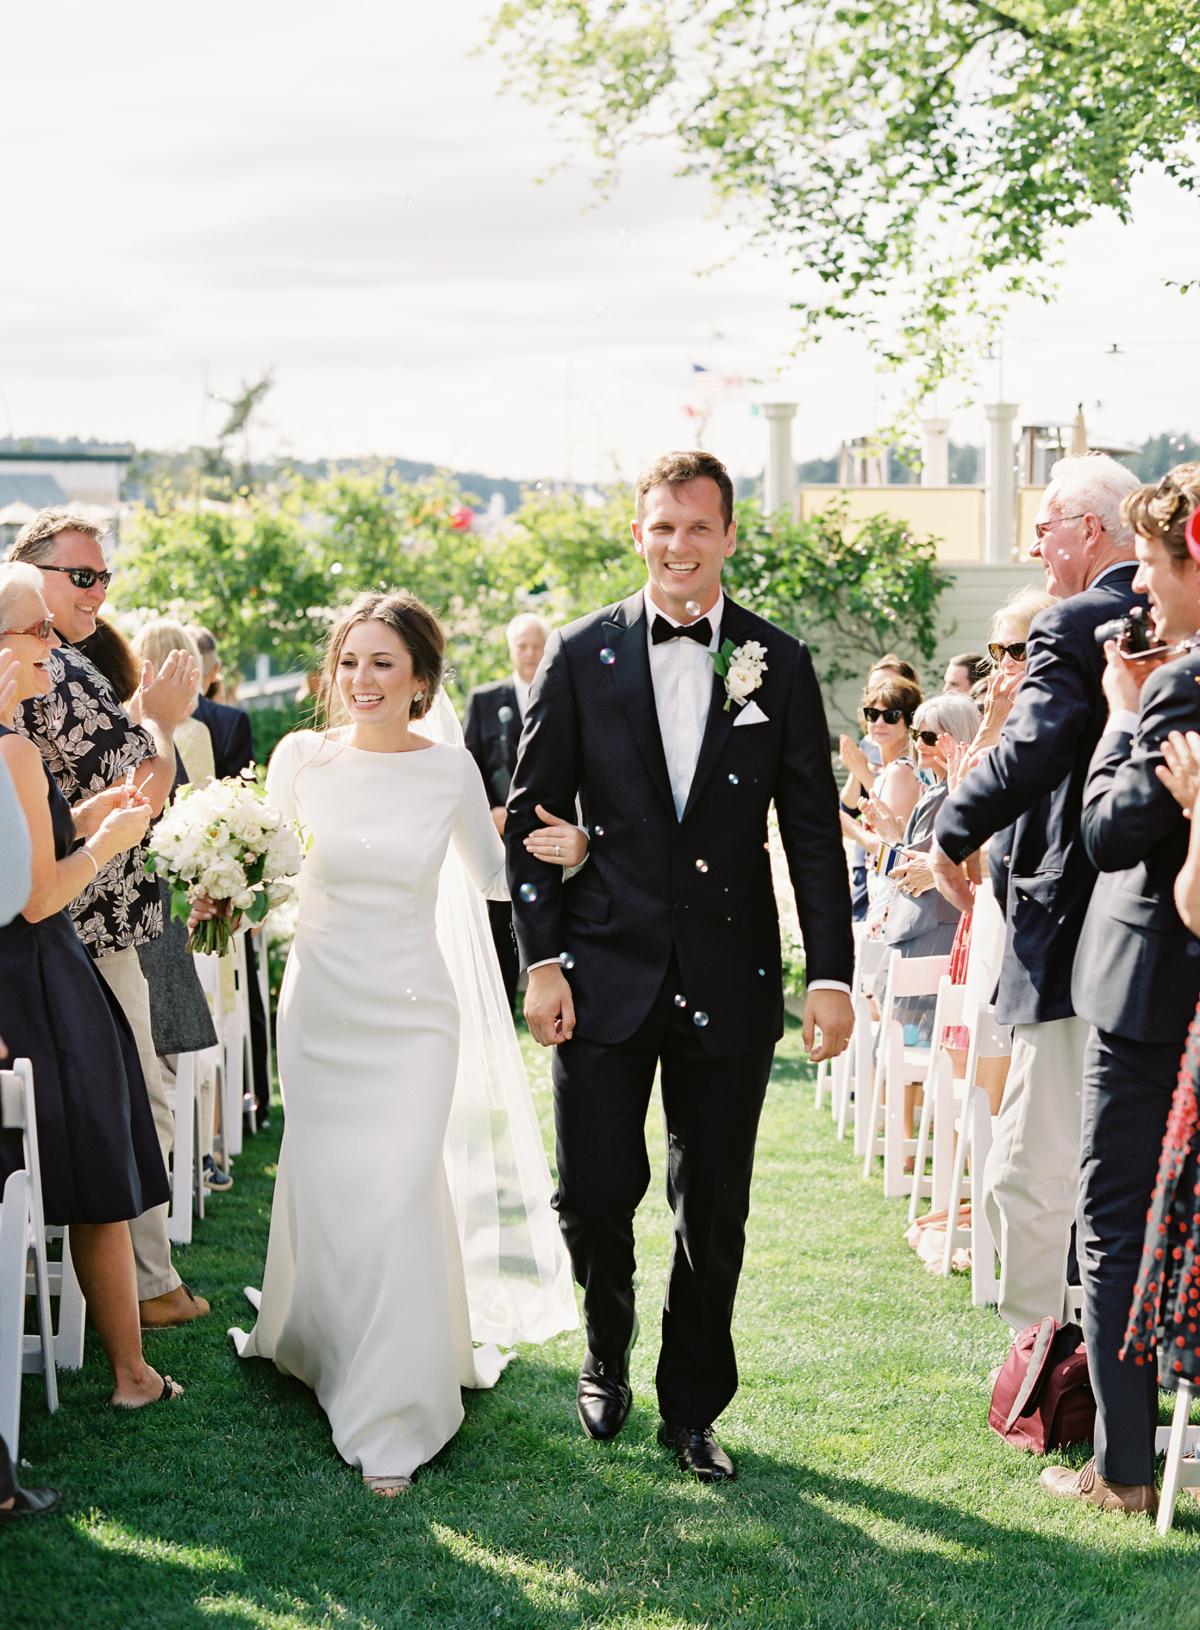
{"points": [[224, 841]]}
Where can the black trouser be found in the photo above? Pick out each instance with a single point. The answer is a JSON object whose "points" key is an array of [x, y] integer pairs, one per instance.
{"points": [[258, 1030], [711, 1108], [1127, 1089], [500, 913]]}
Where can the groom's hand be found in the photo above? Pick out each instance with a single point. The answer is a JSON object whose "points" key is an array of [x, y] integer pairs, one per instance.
{"points": [[830, 1012], [549, 1009]]}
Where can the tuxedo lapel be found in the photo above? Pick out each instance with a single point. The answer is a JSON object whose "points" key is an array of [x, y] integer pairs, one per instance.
{"points": [[626, 633], [736, 627]]}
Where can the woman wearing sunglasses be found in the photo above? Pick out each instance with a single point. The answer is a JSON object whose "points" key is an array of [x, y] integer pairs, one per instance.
{"points": [[888, 705], [98, 1149], [1006, 647], [919, 921]]}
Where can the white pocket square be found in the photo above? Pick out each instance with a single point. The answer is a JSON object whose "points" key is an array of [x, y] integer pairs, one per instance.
{"points": [[750, 714]]}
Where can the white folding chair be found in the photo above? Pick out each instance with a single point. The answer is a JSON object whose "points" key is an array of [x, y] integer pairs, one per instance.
{"points": [[988, 1040], [935, 1135], [24, 1231], [1181, 1444], [262, 952], [896, 1066], [871, 954], [185, 1171]]}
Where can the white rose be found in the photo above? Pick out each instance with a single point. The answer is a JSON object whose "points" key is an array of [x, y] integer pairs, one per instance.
{"points": [[740, 681]]}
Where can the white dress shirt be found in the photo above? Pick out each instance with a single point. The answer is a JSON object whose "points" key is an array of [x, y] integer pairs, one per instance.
{"points": [[682, 674], [522, 690]]}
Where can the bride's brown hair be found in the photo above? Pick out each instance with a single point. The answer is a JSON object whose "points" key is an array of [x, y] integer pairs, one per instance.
{"points": [[413, 624]]}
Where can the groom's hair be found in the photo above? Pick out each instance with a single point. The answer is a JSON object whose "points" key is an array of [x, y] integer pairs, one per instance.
{"points": [[675, 469]]}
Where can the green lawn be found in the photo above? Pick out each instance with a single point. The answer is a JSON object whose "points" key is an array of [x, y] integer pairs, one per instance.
{"points": [[870, 1491]]}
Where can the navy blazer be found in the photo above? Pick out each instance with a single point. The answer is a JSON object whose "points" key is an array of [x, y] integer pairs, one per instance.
{"points": [[491, 740], [229, 727], [655, 885], [1137, 973], [1033, 781]]}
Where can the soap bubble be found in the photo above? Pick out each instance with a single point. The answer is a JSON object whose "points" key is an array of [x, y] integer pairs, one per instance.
{"points": [[528, 893], [699, 1019], [681, 1001], [336, 569], [598, 830], [762, 973], [608, 656], [566, 960], [702, 865], [692, 608], [734, 781]]}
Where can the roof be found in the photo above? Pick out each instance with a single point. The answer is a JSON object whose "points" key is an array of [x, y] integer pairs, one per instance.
{"points": [[42, 491], [33, 455]]}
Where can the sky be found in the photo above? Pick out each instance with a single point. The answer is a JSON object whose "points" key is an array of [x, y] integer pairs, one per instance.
{"points": [[346, 195]]}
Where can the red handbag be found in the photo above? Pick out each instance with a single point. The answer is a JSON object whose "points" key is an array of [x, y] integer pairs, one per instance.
{"points": [[1043, 1396]]}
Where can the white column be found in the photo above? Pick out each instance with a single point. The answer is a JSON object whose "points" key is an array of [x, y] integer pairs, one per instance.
{"points": [[935, 452], [1000, 479], [779, 480]]}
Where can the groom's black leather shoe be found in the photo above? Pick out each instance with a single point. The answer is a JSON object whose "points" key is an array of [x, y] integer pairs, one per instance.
{"points": [[698, 1452], [604, 1397]]}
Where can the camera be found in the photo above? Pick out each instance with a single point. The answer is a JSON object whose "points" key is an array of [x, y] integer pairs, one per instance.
{"points": [[1132, 633]]}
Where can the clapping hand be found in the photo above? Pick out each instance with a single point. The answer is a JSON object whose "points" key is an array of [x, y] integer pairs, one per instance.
{"points": [[856, 761], [1179, 771], [913, 875], [878, 818], [170, 695], [91, 812]]}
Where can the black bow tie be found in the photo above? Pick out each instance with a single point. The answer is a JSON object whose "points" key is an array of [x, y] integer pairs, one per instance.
{"points": [[661, 630]]}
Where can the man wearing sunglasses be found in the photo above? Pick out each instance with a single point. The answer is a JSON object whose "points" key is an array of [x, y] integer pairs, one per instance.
{"points": [[1032, 782], [90, 742]]}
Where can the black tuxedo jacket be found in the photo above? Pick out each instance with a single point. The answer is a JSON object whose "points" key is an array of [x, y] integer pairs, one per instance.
{"points": [[229, 727], [492, 741], [653, 884], [1137, 973], [1033, 781]]}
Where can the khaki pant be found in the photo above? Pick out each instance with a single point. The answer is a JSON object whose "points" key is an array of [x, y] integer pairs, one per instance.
{"points": [[1031, 1181], [122, 972]]}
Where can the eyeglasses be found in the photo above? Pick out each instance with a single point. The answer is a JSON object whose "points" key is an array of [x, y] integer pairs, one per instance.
{"points": [[1042, 527], [39, 631], [889, 715], [928, 737], [82, 576], [1016, 651]]}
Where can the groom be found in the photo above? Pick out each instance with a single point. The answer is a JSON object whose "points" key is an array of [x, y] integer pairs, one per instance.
{"points": [[663, 951]]}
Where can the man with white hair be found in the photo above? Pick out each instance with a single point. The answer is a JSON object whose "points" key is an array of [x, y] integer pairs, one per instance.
{"points": [[1032, 782], [492, 729]]}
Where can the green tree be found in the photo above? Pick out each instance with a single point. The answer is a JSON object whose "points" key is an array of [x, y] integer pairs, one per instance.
{"points": [[918, 163]]}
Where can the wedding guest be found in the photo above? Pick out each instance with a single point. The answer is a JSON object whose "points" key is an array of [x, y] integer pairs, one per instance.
{"points": [[98, 1150], [1008, 642], [1162, 1320], [233, 752], [1136, 981], [492, 731], [964, 671], [15, 880], [920, 921], [1032, 782], [888, 706], [865, 768], [89, 742], [179, 1013], [229, 727]]}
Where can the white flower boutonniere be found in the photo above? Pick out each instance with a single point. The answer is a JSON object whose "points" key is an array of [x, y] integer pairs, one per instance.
{"points": [[742, 668]]}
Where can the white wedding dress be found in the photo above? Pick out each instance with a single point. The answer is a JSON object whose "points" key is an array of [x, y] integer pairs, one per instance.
{"points": [[365, 1296]]}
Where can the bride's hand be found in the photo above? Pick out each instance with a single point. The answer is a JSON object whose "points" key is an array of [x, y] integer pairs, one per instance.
{"points": [[557, 842], [203, 908]]}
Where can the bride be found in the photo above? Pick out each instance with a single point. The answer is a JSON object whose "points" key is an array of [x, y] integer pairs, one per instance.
{"points": [[411, 1229]]}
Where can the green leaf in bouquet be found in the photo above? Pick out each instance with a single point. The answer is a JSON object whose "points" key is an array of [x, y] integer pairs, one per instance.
{"points": [[150, 863], [181, 906], [258, 907], [254, 873]]}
